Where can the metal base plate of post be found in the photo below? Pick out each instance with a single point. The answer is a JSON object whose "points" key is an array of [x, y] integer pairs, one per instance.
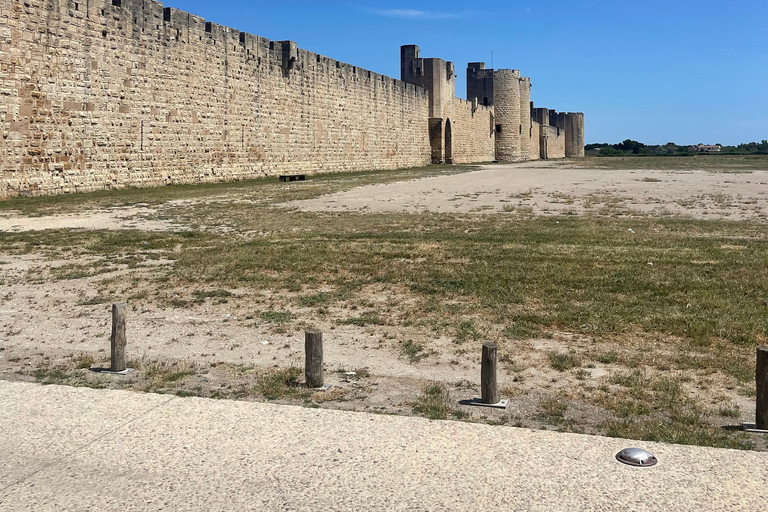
{"points": [[107, 371], [478, 402], [752, 428]]}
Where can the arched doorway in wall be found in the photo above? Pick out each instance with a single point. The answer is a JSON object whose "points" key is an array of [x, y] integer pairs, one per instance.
{"points": [[448, 142]]}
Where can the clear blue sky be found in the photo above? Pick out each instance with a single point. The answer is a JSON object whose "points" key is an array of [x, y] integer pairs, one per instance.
{"points": [[654, 71]]}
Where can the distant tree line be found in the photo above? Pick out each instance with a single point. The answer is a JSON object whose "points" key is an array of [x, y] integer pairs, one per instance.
{"points": [[632, 147]]}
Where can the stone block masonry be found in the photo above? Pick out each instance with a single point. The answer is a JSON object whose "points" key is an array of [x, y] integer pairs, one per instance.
{"points": [[460, 131], [522, 131], [471, 132], [574, 135], [101, 94]]}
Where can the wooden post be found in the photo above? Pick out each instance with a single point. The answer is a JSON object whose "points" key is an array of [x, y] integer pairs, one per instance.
{"points": [[313, 349], [489, 386], [761, 380], [119, 339]]}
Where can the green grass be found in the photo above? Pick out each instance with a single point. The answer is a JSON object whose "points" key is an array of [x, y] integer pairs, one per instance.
{"points": [[47, 374], [552, 410], [589, 276], [522, 330], [317, 299], [652, 406], [676, 431], [584, 275], [636, 380], [563, 362], [220, 294], [95, 301], [729, 412], [609, 357], [435, 402], [368, 318], [280, 383], [83, 361], [161, 374], [713, 163], [466, 330], [277, 317], [413, 352]]}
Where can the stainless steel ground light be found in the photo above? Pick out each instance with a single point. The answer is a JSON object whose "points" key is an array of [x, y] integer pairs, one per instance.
{"points": [[636, 457]]}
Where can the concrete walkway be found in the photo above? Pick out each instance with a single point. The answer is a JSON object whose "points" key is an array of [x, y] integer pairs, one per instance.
{"points": [[81, 449]]}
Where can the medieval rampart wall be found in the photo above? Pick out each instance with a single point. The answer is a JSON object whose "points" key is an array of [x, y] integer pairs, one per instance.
{"points": [[535, 140], [525, 118], [555, 141], [96, 95], [472, 132]]}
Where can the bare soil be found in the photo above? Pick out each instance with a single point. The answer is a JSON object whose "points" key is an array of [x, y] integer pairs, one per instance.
{"points": [[563, 188], [54, 323]]}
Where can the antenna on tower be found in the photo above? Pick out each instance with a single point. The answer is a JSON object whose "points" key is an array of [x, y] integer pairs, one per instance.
{"points": [[492, 59]]}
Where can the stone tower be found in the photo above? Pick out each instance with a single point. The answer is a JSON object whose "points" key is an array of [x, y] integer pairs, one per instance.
{"points": [[480, 83], [574, 135], [438, 77], [506, 103], [522, 132]]}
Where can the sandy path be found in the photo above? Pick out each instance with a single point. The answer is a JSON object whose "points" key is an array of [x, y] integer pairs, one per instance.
{"points": [[132, 217], [547, 188]]}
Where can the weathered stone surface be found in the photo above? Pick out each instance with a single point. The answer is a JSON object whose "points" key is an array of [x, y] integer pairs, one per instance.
{"points": [[97, 96], [522, 131], [102, 94]]}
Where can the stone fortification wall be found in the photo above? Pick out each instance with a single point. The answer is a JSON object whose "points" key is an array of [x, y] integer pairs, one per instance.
{"points": [[525, 118], [553, 142], [521, 129], [97, 95], [574, 135], [472, 132], [535, 141], [460, 131]]}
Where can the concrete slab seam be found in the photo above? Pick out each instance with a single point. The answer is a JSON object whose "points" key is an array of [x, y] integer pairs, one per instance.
{"points": [[86, 445]]}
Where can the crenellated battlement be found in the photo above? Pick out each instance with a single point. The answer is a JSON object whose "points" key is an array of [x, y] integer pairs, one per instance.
{"points": [[150, 19]]}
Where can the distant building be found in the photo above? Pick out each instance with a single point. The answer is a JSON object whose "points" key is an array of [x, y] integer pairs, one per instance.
{"points": [[701, 148]]}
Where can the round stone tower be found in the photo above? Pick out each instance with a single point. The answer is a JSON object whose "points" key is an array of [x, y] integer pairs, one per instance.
{"points": [[574, 135], [506, 102]]}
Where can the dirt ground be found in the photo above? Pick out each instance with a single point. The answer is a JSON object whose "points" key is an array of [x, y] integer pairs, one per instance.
{"points": [[559, 188], [54, 330]]}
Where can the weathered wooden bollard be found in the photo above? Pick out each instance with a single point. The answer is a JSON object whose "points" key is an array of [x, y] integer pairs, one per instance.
{"points": [[761, 380], [118, 339], [489, 385], [313, 349]]}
